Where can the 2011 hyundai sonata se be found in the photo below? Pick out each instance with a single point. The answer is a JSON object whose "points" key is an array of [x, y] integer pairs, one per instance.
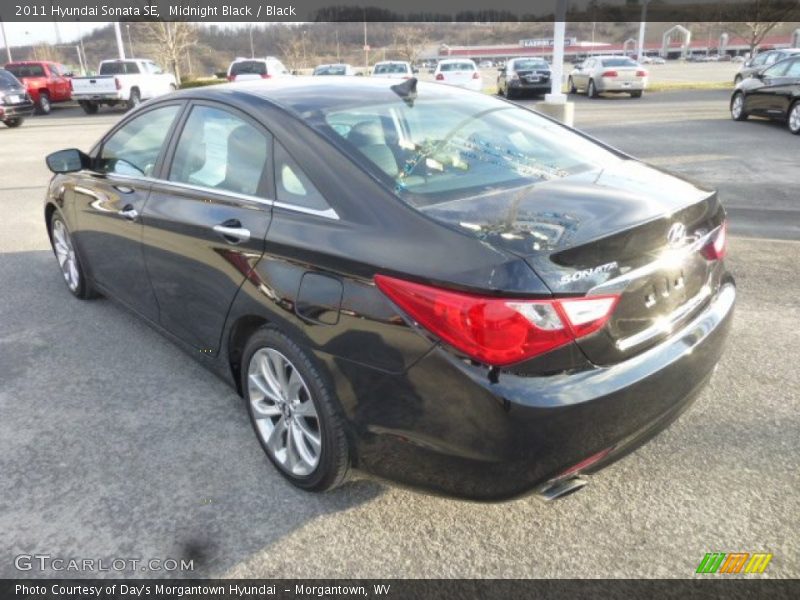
{"points": [[435, 286]]}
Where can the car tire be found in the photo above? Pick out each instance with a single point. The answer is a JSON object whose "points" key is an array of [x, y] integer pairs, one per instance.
{"points": [[737, 107], [571, 89], [591, 90], [43, 106], [636, 94], [794, 118], [68, 260], [135, 99], [90, 108], [296, 418], [12, 123]]}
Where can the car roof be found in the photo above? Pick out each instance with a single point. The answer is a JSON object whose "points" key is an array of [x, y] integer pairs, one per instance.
{"points": [[31, 62], [455, 60], [392, 62]]}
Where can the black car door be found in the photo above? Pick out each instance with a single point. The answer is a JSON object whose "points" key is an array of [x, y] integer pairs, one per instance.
{"points": [[205, 222], [773, 96], [109, 202]]}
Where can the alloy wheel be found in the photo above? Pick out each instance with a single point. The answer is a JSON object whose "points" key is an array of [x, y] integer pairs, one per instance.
{"points": [[738, 106], [794, 118], [65, 253], [284, 412]]}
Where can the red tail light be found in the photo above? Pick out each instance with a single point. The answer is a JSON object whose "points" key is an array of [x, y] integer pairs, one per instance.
{"points": [[498, 331], [231, 77], [476, 75], [717, 248], [265, 76], [641, 73], [439, 77], [117, 83], [610, 74]]}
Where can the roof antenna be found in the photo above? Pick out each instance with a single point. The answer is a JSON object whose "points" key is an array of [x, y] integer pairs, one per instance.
{"points": [[406, 90]]}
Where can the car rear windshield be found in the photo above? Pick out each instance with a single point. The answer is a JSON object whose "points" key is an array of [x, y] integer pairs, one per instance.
{"points": [[522, 65], [618, 62], [20, 71], [119, 68], [249, 67], [462, 66], [442, 147], [7, 80], [391, 68], [330, 70]]}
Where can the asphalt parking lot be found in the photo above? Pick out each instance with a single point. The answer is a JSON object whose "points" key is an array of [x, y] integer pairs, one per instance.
{"points": [[115, 444]]}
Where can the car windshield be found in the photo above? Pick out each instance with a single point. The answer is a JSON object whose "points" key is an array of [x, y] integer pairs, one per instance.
{"points": [[522, 65], [390, 68], [445, 147], [330, 70], [460, 66], [7, 80], [619, 62], [249, 67]]}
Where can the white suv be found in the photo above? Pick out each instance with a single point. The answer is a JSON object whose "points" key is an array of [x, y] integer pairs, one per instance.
{"points": [[243, 69], [460, 72]]}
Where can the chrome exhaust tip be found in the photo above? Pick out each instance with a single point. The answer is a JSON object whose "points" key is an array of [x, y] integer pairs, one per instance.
{"points": [[560, 488]]}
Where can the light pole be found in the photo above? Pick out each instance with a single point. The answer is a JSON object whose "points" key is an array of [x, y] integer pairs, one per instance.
{"points": [[642, 25], [5, 41], [130, 43], [305, 63], [120, 45], [252, 47]]}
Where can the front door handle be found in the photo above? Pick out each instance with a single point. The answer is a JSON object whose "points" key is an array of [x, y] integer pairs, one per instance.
{"points": [[128, 212], [231, 234]]}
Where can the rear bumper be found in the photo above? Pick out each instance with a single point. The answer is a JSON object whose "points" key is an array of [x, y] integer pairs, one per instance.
{"points": [[106, 97], [612, 85], [16, 111], [454, 428], [540, 86]]}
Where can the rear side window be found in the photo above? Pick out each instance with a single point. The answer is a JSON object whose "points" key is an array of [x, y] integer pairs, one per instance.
{"points": [[134, 148], [218, 149], [20, 71], [119, 68], [293, 185], [794, 69], [249, 67]]}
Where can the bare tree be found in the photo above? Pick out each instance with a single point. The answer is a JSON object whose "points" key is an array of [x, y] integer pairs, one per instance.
{"points": [[171, 41], [409, 42], [759, 18], [292, 51]]}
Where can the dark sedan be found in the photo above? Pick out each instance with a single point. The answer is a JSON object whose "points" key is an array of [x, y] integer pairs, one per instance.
{"points": [[773, 93], [432, 285], [523, 75], [15, 103]]}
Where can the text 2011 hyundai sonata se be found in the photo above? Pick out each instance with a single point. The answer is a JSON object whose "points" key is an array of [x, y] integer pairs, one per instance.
{"points": [[432, 285]]}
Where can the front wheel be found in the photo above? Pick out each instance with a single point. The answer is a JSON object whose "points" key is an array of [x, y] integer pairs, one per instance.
{"points": [[13, 122], [737, 107], [68, 260], [43, 107], [591, 91], [293, 412], [794, 118]]}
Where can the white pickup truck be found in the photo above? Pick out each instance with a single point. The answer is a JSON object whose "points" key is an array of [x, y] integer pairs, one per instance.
{"points": [[122, 81]]}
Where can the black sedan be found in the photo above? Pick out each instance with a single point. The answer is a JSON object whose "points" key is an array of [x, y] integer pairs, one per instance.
{"points": [[523, 75], [773, 93], [15, 103], [432, 285]]}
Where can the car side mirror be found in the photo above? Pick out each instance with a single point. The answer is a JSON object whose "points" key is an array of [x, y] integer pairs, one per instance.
{"points": [[68, 161]]}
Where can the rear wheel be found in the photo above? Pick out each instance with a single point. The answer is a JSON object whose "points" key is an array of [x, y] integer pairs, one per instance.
{"points": [[13, 122], [293, 412], [636, 94], [90, 108], [794, 118], [591, 91], [68, 261], [737, 107], [43, 106], [135, 99]]}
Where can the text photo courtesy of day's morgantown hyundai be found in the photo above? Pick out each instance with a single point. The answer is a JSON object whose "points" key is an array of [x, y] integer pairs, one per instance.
{"points": [[399, 301]]}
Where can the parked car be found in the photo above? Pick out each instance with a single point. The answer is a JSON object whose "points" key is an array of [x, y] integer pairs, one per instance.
{"points": [[441, 288], [486, 64], [608, 74], [122, 81], [244, 69], [460, 72], [46, 82], [15, 103], [524, 75], [393, 69], [657, 60], [334, 69], [761, 61], [773, 93]]}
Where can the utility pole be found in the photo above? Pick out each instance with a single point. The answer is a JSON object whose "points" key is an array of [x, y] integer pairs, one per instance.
{"points": [[252, 47], [642, 25], [366, 45], [338, 58], [130, 43], [5, 41], [120, 45]]}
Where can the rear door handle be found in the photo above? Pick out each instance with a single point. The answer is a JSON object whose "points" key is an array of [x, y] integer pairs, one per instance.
{"points": [[231, 234], [128, 212]]}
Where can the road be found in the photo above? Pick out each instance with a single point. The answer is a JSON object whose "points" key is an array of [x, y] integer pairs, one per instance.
{"points": [[115, 444]]}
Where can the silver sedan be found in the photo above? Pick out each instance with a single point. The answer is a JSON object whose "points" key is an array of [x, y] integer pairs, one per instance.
{"points": [[612, 74]]}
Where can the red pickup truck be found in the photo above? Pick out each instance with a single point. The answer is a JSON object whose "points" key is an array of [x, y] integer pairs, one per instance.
{"points": [[46, 82]]}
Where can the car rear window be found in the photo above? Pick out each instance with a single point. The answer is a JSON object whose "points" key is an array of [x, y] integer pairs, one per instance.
{"points": [[20, 71], [521, 65], [390, 68], [119, 68], [462, 66], [330, 70], [618, 62], [7, 80], [249, 67], [445, 147]]}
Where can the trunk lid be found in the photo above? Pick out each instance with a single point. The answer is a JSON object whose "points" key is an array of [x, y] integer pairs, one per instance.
{"points": [[630, 230]]}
